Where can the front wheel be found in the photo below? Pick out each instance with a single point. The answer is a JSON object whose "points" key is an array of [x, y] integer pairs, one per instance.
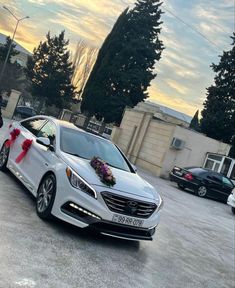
{"points": [[4, 154], [202, 191], [233, 209], [46, 196]]}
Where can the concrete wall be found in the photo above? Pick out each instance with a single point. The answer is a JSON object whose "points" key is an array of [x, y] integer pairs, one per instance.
{"points": [[154, 146], [143, 140], [13, 99], [194, 152], [146, 142]]}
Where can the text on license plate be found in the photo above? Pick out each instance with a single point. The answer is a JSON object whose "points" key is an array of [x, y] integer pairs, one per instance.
{"points": [[178, 173], [128, 220]]}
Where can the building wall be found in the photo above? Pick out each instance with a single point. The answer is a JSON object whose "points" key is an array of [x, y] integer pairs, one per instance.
{"points": [[196, 147], [143, 140], [154, 146], [146, 142]]}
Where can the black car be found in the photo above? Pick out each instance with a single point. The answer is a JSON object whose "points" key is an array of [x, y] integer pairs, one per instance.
{"points": [[203, 182], [23, 112]]}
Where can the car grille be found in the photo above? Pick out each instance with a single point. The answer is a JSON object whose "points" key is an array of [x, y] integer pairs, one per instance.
{"points": [[128, 206]]}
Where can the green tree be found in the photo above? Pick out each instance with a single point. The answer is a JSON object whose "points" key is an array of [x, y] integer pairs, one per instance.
{"points": [[4, 49], [125, 63], [194, 124], [50, 72], [218, 115]]}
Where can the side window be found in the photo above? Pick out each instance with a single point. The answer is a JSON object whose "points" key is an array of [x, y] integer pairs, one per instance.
{"points": [[33, 125], [227, 182], [48, 131], [215, 177]]}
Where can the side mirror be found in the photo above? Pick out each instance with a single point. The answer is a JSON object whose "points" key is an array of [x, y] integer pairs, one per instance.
{"points": [[43, 141], [134, 167]]}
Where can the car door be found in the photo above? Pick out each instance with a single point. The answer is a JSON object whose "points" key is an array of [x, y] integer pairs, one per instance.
{"points": [[42, 158], [29, 130], [214, 184], [227, 188]]}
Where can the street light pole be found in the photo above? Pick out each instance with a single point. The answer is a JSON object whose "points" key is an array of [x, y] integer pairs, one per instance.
{"points": [[12, 40]]}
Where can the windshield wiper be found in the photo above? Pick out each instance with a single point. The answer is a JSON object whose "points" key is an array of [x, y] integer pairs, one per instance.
{"points": [[77, 155]]}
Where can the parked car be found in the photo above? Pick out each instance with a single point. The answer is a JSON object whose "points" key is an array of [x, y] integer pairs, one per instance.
{"points": [[23, 112], [231, 201], [58, 172], [204, 182]]}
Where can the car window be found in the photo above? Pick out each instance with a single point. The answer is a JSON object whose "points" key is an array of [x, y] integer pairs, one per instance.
{"points": [[33, 125], [227, 182], [48, 131], [196, 170], [215, 177], [87, 146]]}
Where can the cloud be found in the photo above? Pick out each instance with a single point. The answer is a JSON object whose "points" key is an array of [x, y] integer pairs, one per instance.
{"points": [[179, 104], [176, 86]]}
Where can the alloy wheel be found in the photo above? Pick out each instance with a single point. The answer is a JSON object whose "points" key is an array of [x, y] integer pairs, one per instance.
{"points": [[4, 156], [202, 191], [45, 194]]}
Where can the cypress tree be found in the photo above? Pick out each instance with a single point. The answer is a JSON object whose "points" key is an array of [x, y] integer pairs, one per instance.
{"points": [[194, 124], [218, 115], [125, 63]]}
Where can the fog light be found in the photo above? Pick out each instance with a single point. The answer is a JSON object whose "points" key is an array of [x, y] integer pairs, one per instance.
{"points": [[84, 211]]}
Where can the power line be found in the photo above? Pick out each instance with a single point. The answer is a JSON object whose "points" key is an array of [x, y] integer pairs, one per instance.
{"points": [[193, 28]]}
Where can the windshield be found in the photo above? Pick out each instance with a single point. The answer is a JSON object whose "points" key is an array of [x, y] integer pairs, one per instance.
{"points": [[87, 146]]}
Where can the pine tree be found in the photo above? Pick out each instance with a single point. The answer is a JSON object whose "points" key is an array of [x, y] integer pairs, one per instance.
{"points": [[4, 50], [194, 124], [125, 64], [50, 72], [218, 115]]}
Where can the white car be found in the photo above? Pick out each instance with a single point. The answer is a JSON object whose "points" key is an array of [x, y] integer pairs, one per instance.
{"points": [[231, 201], [57, 171]]}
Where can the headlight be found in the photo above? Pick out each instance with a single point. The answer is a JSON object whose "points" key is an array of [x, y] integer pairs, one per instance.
{"points": [[78, 182], [161, 203]]}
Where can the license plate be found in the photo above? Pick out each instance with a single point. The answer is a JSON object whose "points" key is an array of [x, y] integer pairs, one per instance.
{"points": [[178, 173], [127, 220]]}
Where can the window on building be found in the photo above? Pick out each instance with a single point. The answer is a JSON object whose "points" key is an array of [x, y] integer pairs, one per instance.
{"points": [[226, 166]]}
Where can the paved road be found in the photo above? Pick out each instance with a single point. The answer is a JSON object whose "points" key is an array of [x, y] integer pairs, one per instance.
{"points": [[194, 246]]}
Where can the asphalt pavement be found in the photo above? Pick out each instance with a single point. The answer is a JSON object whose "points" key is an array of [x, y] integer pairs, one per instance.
{"points": [[193, 247]]}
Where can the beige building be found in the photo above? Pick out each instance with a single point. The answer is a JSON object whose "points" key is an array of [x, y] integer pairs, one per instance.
{"points": [[164, 113], [158, 146]]}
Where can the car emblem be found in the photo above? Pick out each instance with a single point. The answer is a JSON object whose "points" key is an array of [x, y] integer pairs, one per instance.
{"points": [[131, 207]]}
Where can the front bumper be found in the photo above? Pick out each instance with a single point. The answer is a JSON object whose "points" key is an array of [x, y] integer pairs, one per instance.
{"points": [[86, 211], [231, 200]]}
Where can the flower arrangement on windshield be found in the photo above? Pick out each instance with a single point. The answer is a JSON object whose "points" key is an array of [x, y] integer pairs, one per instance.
{"points": [[103, 171]]}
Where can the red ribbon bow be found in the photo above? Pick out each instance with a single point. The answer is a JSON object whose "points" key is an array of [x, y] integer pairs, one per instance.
{"points": [[25, 147], [14, 134]]}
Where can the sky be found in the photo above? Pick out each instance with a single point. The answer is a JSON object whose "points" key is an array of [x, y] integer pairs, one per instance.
{"points": [[183, 73]]}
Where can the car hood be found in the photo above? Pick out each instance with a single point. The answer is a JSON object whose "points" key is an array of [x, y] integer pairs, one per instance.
{"points": [[130, 183]]}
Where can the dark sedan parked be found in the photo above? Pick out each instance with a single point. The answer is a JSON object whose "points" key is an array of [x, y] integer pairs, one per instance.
{"points": [[23, 112], [204, 182]]}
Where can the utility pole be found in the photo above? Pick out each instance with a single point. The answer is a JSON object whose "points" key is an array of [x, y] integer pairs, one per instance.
{"points": [[12, 40]]}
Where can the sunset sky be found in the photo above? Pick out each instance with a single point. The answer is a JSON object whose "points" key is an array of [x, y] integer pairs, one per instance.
{"points": [[184, 70]]}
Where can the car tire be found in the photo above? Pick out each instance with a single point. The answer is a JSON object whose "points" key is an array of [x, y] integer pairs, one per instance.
{"points": [[4, 154], [46, 196], [233, 210], [202, 191], [182, 187]]}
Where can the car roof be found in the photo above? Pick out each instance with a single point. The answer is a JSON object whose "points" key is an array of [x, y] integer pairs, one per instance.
{"points": [[204, 170], [66, 124]]}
